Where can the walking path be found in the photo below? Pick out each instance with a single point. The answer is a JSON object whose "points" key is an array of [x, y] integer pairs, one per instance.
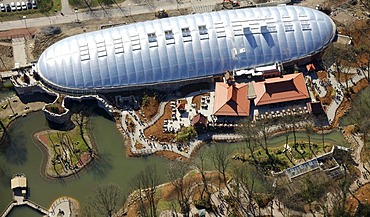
{"points": [[19, 51], [357, 141], [66, 9], [24, 202], [320, 89]]}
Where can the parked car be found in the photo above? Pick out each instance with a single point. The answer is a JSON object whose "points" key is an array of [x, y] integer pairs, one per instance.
{"points": [[34, 4], [29, 5], [24, 6], [2, 7], [12, 5], [19, 7], [8, 8]]}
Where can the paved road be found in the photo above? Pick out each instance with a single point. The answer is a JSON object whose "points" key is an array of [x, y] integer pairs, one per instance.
{"points": [[126, 8]]}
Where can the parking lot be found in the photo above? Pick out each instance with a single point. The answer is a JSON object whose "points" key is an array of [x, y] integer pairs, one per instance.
{"points": [[17, 5]]}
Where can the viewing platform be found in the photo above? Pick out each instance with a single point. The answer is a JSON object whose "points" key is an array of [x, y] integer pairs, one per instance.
{"points": [[19, 187]]}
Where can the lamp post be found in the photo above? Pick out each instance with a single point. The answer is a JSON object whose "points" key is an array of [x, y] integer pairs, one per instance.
{"points": [[76, 12], [25, 24]]}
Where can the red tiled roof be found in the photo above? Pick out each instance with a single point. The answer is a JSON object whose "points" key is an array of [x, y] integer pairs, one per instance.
{"points": [[231, 100], [274, 90], [181, 106], [310, 67], [199, 119]]}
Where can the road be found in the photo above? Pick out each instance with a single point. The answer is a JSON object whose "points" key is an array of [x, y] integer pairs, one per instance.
{"points": [[127, 8]]}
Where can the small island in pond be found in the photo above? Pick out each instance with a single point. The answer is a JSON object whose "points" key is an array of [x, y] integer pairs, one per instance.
{"points": [[68, 151]]}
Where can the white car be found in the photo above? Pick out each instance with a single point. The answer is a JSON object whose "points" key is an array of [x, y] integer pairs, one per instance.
{"points": [[12, 6], [34, 4], [24, 6], [19, 7], [2, 7]]}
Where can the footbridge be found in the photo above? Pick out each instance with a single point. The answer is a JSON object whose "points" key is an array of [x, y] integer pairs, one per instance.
{"points": [[29, 203]]}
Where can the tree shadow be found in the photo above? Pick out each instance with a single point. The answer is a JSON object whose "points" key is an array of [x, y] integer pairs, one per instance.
{"points": [[101, 166], [37, 97], [15, 152], [5, 174]]}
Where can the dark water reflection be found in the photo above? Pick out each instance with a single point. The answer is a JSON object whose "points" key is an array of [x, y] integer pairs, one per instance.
{"points": [[22, 155]]}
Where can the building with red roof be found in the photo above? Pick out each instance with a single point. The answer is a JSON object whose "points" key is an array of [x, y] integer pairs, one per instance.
{"points": [[280, 89], [231, 100]]}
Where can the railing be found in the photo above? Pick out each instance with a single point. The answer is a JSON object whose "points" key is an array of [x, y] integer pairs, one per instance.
{"points": [[7, 210], [36, 206]]}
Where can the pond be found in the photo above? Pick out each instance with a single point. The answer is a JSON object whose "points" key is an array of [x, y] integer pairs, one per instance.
{"points": [[6, 89], [23, 156]]}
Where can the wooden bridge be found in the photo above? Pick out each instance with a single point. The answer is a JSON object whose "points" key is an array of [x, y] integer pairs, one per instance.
{"points": [[29, 203]]}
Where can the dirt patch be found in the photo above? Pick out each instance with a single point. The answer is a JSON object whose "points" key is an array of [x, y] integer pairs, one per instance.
{"points": [[44, 41], [170, 155], [138, 145], [6, 54], [322, 75], [363, 194], [343, 77], [328, 98], [149, 110], [56, 107], [157, 128], [196, 100], [130, 124]]}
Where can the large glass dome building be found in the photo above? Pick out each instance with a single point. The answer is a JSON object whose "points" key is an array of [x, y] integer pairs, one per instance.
{"points": [[184, 48]]}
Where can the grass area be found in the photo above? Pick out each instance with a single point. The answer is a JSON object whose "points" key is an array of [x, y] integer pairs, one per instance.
{"points": [[94, 3], [69, 151], [57, 5], [45, 7], [346, 120], [334, 137], [164, 205], [277, 143], [365, 154]]}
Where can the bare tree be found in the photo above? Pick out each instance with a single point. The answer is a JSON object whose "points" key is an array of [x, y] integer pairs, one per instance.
{"points": [[244, 184], [308, 128], [146, 182], [360, 115], [263, 133], [200, 163], [221, 158], [82, 117], [250, 135], [105, 200], [176, 173]]}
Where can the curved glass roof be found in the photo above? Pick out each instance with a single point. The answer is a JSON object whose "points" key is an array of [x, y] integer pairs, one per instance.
{"points": [[185, 47]]}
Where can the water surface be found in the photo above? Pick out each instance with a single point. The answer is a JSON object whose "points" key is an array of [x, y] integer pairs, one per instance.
{"points": [[23, 156]]}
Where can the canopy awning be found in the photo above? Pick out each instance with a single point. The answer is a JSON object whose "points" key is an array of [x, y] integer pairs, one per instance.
{"points": [[19, 182]]}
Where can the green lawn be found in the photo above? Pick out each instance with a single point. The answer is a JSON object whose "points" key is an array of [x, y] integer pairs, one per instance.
{"points": [[45, 8], [74, 147]]}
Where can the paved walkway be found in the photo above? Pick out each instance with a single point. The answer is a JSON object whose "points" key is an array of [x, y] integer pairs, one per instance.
{"points": [[320, 89], [60, 207], [19, 51], [66, 9]]}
